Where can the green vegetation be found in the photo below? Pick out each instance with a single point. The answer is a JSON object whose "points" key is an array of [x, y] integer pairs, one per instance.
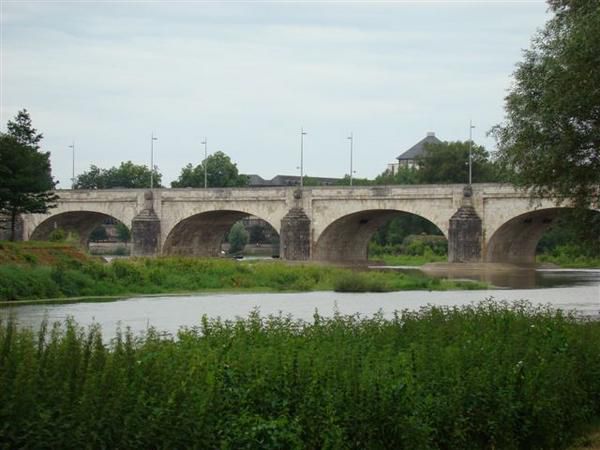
{"points": [[446, 163], [220, 172], [25, 175], [573, 240], [237, 238], [569, 256], [127, 175], [30, 253], [485, 376], [76, 278], [549, 140], [415, 250]]}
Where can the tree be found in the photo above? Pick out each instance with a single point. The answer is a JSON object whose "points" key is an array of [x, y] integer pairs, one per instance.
{"points": [[22, 130], [127, 175], [404, 175], [98, 234], [237, 238], [551, 133], [220, 171], [26, 181], [447, 162], [123, 233], [355, 181], [397, 229]]}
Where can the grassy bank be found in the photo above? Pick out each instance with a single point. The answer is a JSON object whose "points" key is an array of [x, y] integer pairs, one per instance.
{"points": [[73, 277], [490, 376], [569, 261], [39, 253]]}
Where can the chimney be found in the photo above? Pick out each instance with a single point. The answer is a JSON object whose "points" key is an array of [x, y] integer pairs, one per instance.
{"points": [[431, 134]]}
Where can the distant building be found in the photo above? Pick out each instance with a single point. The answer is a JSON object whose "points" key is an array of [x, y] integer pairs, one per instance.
{"points": [[288, 180], [409, 157]]}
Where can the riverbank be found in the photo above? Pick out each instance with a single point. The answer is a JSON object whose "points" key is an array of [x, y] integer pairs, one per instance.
{"points": [[559, 261], [28, 278], [486, 376]]}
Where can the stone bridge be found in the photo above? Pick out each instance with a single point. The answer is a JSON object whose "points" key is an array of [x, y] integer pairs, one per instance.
{"points": [[490, 222]]}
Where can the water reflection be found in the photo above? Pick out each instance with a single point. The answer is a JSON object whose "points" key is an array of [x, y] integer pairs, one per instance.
{"points": [[507, 276]]}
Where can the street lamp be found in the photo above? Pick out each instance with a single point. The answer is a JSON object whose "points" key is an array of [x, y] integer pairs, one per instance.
{"points": [[302, 134], [73, 166], [205, 143], [471, 126], [152, 139], [351, 139]]}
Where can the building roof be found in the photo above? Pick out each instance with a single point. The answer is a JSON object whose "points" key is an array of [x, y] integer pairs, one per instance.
{"points": [[287, 180], [417, 150]]}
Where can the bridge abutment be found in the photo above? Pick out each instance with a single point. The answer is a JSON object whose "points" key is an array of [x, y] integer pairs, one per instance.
{"points": [[465, 232]]}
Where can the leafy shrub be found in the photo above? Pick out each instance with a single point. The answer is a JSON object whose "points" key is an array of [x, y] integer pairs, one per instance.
{"points": [[491, 375], [420, 244], [57, 235], [237, 238], [98, 234]]}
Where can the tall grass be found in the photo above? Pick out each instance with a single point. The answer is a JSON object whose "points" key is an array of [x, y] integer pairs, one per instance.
{"points": [[486, 376], [159, 275], [569, 256]]}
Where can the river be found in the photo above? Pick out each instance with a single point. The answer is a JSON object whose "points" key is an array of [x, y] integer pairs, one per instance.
{"points": [[577, 290]]}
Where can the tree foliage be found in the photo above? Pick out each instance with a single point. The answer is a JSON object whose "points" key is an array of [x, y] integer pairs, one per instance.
{"points": [[397, 229], [123, 233], [22, 130], [551, 133], [404, 175], [127, 175], [98, 234], [448, 162], [237, 238], [444, 163], [220, 171], [25, 175]]}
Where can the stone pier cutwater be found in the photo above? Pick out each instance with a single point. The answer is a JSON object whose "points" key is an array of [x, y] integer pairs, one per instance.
{"points": [[295, 235], [465, 232], [145, 230]]}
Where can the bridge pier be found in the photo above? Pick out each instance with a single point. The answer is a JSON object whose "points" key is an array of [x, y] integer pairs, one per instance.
{"points": [[145, 230], [465, 232], [295, 235]]}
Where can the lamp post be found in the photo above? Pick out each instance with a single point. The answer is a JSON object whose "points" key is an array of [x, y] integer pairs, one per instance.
{"points": [[152, 139], [351, 139], [302, 134], [72, 146], [471, 126], [205, 143]]}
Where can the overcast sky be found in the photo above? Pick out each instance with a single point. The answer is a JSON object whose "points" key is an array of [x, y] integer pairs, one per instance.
{"points": [[249, 75]]}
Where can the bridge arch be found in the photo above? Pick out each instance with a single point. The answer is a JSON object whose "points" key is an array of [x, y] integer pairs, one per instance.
{"points": [[80, 222], [515, 240], [202, 234], [348, 236]]}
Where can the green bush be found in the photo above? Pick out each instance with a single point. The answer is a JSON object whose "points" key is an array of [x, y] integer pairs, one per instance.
{"points": [[487, 376], [98, 234], [421, 244], [237, 238], [57, 235], [71, 278], [569, 256]]}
